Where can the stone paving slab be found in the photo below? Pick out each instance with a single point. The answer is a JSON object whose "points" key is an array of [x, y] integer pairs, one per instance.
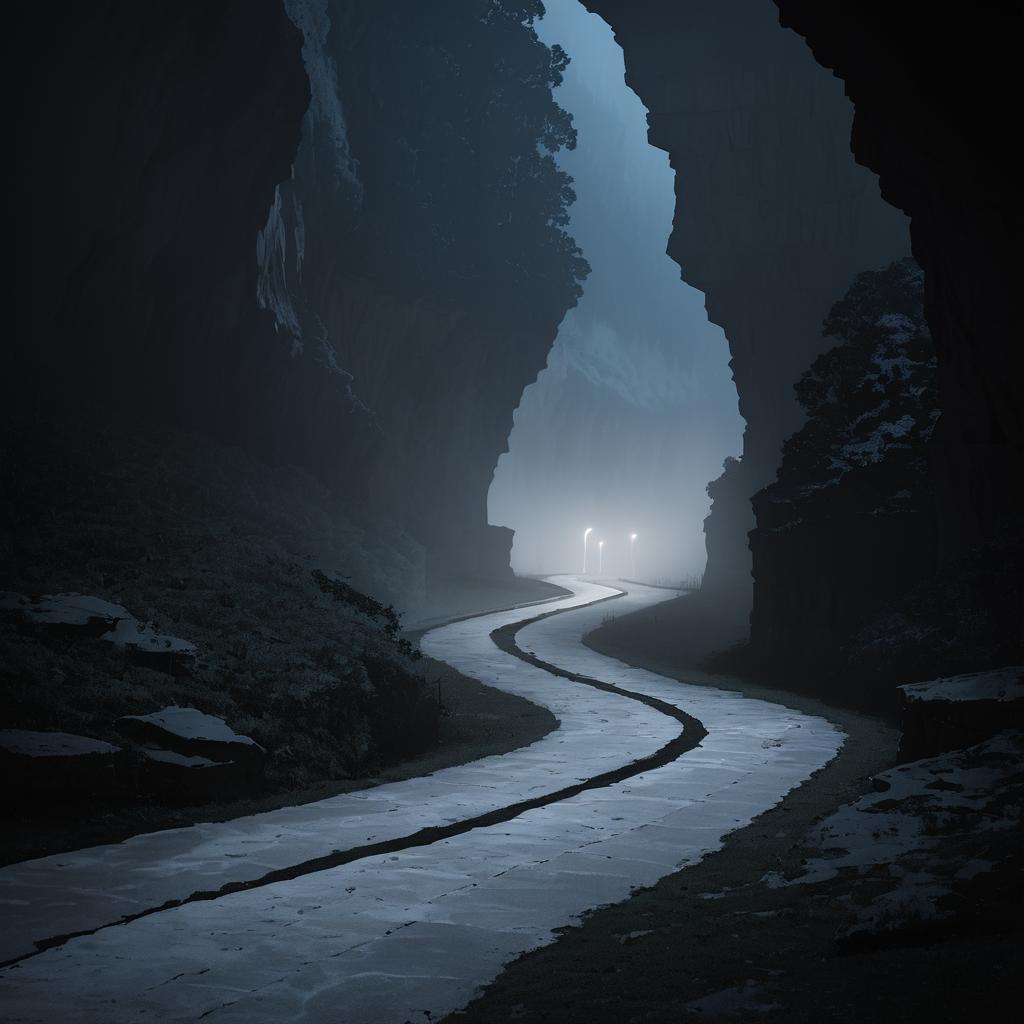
{"points": [[413, 935]]}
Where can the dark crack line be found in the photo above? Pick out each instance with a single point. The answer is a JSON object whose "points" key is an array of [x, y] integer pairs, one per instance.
{"points": [[504, 638]]}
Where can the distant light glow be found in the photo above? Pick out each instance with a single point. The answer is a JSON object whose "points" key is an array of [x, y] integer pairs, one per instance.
{"points": [[586, 533], [636, 409]]}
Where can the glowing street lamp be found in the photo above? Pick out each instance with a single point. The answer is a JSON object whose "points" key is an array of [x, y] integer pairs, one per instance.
{"points": [[586, 533], [600, 557], [632, 554]]}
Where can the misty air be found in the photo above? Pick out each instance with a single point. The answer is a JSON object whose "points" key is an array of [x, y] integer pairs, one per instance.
{"points": [[511, 512]]}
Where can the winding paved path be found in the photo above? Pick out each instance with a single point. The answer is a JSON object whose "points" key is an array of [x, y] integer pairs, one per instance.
{"points": [[397, 903]]}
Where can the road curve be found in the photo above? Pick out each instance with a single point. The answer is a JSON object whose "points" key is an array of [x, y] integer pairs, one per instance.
{"points": [[398, 903]]}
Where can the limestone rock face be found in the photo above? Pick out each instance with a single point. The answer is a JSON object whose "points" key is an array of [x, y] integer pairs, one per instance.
{"points": [[773, 217]]}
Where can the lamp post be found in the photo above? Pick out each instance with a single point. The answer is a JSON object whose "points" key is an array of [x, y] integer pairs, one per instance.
{"points": [[586, 534], [632, 555], [600, 558]]}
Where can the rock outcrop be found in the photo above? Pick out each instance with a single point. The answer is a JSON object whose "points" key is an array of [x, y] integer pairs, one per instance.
{"points": [[150, 148], [58, 766], [190, 732], [773, 217], [75, 616], [947, 714], [194, 251], [937, 141], [848, 522], [415, 285], [936, 571], [187, 755]]}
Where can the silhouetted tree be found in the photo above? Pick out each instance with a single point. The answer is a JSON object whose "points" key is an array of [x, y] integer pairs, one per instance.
{"points": [[453, 128]]}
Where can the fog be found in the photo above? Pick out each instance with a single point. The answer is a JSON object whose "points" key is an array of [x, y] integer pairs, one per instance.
{"points": [[636, 409]]}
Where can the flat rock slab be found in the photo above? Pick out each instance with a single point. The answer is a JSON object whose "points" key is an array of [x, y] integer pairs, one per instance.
{"points": [[55, 765], [71, 609], [1001, 684], [412, 935], [192, 733], [28, 743], [950, 713], [75, 613]]}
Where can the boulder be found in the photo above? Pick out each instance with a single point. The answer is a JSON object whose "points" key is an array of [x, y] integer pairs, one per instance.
{"points": [[183, 778], [85, 615], [149, 647], [194, 734], [951, 713], [58, 766], [73, 613]]}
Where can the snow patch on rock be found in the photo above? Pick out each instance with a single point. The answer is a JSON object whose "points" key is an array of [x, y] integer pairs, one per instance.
{"points": [[181, 760], [71, 609], [74, 609], [1004, 684], [129, 632], [192, 724]]}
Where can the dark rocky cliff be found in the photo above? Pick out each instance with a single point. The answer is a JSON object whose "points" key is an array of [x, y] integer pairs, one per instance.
{"points": [[152, 138], [935, 587], [773, 218], [849, 519], [442, 384], [866, 597], [202, 248], [934, 90]]}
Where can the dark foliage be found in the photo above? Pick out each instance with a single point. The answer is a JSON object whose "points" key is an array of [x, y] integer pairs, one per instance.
{"points": [[871, 403], [452, 128], [848, 526], [371, 608]]}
